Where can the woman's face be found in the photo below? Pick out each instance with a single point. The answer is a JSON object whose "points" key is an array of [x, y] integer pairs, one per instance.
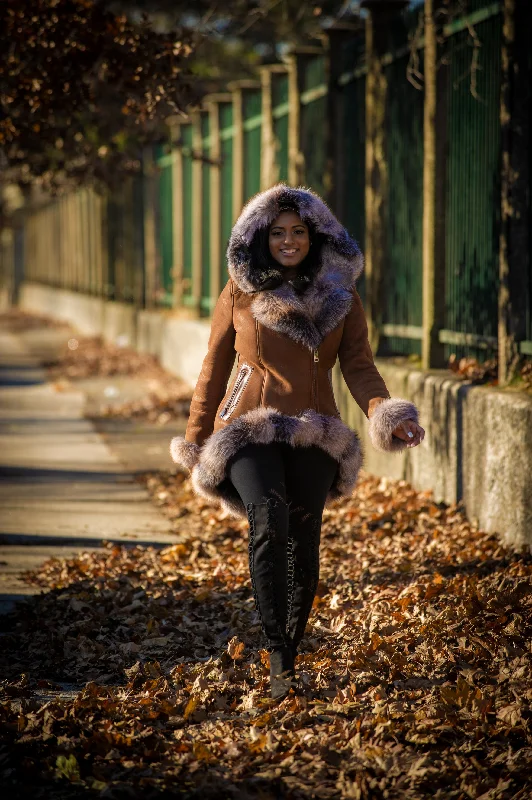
{"points": [[289, 240]]}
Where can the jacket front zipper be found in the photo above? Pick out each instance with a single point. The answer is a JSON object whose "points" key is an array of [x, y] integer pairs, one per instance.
{"points": [[244, 374]]}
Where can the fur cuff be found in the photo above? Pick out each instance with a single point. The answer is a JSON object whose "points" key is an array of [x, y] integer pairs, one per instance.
{"points": [[385, 419], [184, 453]]}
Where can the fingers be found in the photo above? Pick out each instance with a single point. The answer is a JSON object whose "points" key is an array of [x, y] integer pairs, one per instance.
{"points": [[405, 428], [417, 431]]}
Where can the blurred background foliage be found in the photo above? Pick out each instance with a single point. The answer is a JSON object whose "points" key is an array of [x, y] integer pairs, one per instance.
{"points": [[85, 84]]}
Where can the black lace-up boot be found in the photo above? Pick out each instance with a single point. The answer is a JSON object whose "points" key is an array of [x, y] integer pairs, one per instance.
{"points": [[305, 555], [268, 566]]}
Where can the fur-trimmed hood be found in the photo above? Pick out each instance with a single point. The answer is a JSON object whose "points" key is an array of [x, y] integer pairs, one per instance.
{"points": [[310, 316]]}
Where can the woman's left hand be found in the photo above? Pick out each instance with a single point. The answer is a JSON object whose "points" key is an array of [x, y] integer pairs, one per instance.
{"points": [[402, 430]]}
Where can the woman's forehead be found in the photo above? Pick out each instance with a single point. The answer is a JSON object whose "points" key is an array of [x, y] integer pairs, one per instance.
{"points": [[287, 218]]}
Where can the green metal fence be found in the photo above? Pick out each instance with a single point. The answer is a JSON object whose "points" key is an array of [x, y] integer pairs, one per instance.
{"points": [[473, 187], [103, 246], [313, 99], [402, 316], [349, 141]]}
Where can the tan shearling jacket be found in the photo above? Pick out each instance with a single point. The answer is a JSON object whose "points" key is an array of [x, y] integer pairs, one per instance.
{"points": [[286, 343]]}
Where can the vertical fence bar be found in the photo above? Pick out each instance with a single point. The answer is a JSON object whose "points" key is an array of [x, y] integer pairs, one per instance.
{"points": [[281, 124], [97, 255], [252, 139], [104, 253], [376, 192], [90, 241], [430, 333], [177, 215], [515, 275], [472, 178], [341, 38], [267, 145], [72, 242], [84, 240], [433, 213], [150, 252], [348, 135], [295, 165], [226, 187], [238, 148], [247, 122], [402, 317], [197, 205], [164, 224], [129, 239], [215, 190], [188, 192], [312, 80], [206, 299]]}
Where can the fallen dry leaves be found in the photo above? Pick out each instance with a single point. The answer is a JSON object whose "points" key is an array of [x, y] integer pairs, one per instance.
{"points": [[486, 372], [167, 398], [17, 321], [416, 672]]}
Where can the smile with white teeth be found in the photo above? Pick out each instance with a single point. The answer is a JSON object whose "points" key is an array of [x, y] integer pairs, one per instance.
{"points": [[289, 252]]}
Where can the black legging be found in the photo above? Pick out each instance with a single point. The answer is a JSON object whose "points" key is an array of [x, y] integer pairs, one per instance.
{"points": [[284, 490], [301, 476]]}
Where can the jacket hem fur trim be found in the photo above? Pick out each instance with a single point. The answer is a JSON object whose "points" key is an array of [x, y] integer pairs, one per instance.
{"points": [[385, 419], [263, 426], [184, 453]]}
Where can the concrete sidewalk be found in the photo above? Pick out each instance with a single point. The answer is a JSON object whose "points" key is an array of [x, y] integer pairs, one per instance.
{"points": [[62, 488]]}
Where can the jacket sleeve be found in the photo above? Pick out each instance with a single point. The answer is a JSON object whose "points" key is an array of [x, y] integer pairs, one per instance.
{"points": [[212, 382], [365, 382]]}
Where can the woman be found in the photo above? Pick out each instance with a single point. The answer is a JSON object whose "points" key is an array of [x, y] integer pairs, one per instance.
{"points": [[272, 444]]}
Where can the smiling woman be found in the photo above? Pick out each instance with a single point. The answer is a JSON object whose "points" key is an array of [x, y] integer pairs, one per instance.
{"points": [[289, 239], [271, 444]]}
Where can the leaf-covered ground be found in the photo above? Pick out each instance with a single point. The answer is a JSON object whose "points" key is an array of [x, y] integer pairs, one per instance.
{"points": [[140, 673]]}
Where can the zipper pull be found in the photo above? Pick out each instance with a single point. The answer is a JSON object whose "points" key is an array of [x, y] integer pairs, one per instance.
{"points": [[316, 357]]}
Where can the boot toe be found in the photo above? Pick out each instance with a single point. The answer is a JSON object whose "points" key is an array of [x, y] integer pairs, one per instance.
{"points": [[281, 672], [280, 685]]}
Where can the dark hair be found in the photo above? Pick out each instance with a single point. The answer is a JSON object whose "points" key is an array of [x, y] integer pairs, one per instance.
{"points": [[268, 274]]}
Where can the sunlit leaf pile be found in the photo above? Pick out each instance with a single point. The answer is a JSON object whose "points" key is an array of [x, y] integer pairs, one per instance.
{"points": [[167, 397], [415, 675], [486, 372], [16, 320]]}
